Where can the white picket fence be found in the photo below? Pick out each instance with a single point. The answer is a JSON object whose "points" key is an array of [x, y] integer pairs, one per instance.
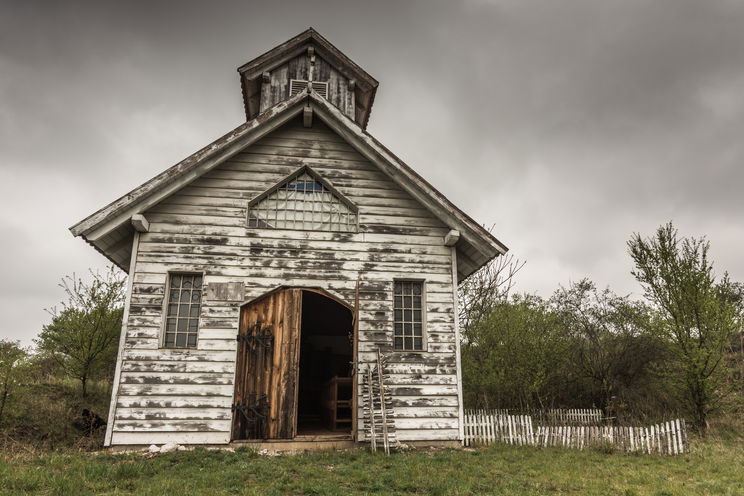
{"points": [[583, 416], [483, 427], [561, 416]]}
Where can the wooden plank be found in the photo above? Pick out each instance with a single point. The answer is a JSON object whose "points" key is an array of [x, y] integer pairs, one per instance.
{"points": [[177, 366], [174, 401], [427, 434], [122, 339], [199, 425], [356, 376], [175, 390], [174, 414], [147, 438], [176, 378]]}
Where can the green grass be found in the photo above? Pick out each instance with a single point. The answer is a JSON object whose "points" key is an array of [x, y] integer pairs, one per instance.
{"points": [[714, 467]]}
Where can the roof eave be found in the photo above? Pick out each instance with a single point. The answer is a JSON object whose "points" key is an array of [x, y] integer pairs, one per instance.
{"points": [[191, 167], [472, 232]]}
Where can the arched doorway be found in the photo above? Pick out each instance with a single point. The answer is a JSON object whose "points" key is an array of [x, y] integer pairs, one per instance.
{"points": [[293, 370]]}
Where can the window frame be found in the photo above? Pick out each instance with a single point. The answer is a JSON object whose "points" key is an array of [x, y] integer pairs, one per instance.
{"points": [[424, 333], [166, 301], [290, 177]]}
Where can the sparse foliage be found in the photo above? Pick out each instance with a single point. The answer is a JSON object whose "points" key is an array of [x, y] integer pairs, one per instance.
{"points": [[511, 354], [83, 335], [12, 356], [612, 348], [485, 288], [699, 315]]}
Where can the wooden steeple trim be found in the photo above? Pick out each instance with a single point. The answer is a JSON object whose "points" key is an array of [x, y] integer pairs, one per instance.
{"points": [[255, 71]]}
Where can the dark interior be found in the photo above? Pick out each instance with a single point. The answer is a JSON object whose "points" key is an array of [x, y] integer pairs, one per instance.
{"points": [[324, 395]]}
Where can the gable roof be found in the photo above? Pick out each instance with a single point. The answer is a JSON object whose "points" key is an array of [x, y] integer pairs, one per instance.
{"points": [[251, 72], [109, 229]]}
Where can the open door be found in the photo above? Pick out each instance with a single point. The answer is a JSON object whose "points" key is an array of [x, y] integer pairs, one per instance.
{"points": [[265, 405]]}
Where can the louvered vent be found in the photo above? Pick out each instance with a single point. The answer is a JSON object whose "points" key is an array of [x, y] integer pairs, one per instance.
{"points": [[298, 85]]}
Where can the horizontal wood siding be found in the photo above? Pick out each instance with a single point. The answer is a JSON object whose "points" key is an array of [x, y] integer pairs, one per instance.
{"points": [[185, 395]]}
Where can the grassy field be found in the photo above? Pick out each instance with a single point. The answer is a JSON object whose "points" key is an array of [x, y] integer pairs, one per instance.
{"points": [[714, 467]]}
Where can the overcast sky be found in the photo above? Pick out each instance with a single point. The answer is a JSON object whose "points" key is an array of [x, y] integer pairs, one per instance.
{"points": [[568, 125]]}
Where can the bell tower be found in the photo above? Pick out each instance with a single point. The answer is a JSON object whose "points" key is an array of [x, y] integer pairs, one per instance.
{"points": [[308, 59]]}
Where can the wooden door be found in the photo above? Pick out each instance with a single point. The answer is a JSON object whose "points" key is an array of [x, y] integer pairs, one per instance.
{"points": [[265, 404]]}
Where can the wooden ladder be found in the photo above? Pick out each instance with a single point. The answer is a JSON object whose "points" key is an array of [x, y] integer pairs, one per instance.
{"points": [[377, 406]]}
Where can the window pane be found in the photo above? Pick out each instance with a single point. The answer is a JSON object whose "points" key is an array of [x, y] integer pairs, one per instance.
{"points": [[170, 325], [193, 324], [176, 281], [297, 204], [407, 315], [181, 340], [192, 339], [170, 339], [194, 311]]}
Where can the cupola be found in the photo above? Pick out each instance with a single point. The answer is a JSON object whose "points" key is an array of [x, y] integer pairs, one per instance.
{"points": [[308, 59]]}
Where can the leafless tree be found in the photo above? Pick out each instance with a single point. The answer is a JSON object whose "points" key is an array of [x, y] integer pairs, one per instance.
{"points": [[489, 285]]}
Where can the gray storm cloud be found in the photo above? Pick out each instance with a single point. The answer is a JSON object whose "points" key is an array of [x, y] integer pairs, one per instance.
{"points": [[567, 125]]}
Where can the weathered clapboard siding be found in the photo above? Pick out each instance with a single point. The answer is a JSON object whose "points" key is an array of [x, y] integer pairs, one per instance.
{"points": [[186, 393]]}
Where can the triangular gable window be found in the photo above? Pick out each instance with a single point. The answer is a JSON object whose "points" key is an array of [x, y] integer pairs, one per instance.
{"points": [[303, 201]]}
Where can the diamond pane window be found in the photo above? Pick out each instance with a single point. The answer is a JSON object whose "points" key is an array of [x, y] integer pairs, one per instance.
{"points": [[182, 311], [304, 202], [408, 321]]}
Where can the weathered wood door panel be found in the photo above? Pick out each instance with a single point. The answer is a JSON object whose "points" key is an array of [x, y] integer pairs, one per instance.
{"points": [[265, 405]]}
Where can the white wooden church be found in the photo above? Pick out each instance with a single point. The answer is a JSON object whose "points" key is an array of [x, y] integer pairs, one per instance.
{"points": [[267, 269]]}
